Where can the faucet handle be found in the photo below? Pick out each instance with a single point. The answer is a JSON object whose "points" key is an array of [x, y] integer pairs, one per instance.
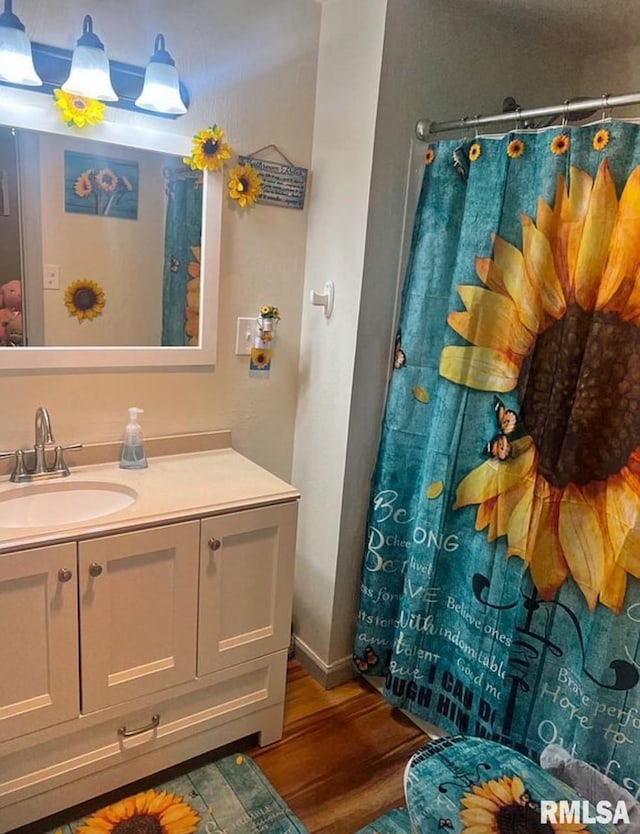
{"points": [[59, 464], [19, 470]]}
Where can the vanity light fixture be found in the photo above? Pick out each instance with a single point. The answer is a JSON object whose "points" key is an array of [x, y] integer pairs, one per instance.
{"points": [[161, 90], [88, 72], [16, 59], [90, 75]]}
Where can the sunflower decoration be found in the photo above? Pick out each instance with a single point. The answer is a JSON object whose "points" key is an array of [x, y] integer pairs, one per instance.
{"points": [[84, 299], [475, 151], [149, 812], [560, 144], [503, 806], [601, 139], [78, 111], [210, 151], [245, 185], [515, 148], [558, 324], [429, 156]]}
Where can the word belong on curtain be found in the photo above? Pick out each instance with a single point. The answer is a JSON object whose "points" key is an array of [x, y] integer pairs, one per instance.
{"points": [[500, 593]]}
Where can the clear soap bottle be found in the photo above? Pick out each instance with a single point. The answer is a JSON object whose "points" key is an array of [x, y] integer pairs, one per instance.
{"points": [[133, 453]]}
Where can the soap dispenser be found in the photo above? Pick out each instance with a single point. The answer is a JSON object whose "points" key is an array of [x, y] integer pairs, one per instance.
{"points": [[133, 454]]}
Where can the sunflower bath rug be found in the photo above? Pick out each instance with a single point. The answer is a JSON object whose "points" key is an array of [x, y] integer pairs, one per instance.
{"points": [[231, 796]]}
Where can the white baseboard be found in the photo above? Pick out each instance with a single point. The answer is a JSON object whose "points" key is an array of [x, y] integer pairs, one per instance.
{"points": [[329, 675]]}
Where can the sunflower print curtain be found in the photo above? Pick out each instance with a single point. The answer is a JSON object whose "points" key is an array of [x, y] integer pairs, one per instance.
{"points": [[500, 594], [181, 277]]}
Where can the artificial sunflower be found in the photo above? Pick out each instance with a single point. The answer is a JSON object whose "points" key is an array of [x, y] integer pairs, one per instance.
{"points": [[475, 151], [245, 185], [559, 323], [560, 144], [210, 151], [77, 110], [149, 812], [503, 806], [429, 156], [601, 139], [515, 148], [84, 299]]}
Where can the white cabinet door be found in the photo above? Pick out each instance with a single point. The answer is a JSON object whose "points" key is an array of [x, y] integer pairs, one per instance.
{"points": [[246, 585], [138, 610], [39, 639]]}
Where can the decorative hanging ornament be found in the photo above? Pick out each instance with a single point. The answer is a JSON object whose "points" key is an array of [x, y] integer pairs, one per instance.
{"points": [[78, 111]]}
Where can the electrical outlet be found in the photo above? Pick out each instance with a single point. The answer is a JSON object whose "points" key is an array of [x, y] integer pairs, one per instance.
{"points": [[246, 332], [50, 277]]}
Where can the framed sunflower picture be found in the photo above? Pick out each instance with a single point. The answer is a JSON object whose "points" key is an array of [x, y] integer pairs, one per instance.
{"points": [[100, 185]]}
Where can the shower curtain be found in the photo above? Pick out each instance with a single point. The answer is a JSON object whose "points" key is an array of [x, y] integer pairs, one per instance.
{"points": [[181, 275], [500, 594]]}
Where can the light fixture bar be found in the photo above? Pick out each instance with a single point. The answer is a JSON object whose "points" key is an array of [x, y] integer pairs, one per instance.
{"points": [[53, 63]]}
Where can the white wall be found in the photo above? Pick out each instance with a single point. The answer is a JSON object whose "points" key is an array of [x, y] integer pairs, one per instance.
{"points": [[249, 66], [439, 62]]}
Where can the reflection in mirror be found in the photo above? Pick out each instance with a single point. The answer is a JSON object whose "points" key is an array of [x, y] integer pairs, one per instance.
{"points": [[100, 243]]}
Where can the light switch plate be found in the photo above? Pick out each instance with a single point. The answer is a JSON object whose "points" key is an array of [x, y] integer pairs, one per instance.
{"points": [[246, 332], [50, 277]]}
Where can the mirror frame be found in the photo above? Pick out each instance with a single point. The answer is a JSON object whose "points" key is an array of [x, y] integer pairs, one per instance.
{"points": [[19, 109]]}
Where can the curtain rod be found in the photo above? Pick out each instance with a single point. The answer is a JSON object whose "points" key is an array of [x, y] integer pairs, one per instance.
{"points": [[425, 128]]}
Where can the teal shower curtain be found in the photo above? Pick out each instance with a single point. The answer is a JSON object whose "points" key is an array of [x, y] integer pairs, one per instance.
{"points": [[500, 594], [183, 230]]}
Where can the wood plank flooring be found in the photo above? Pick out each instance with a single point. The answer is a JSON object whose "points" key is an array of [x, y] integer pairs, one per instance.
{"points": [[339, 764], [341, 760]]}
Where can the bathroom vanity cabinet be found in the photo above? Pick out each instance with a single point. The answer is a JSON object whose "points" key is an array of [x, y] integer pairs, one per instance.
{"points": [[156, 636]]}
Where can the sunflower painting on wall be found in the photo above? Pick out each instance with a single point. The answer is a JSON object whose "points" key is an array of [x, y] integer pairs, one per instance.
{"points": [[100, 186], [558, 324], [84, 299]]}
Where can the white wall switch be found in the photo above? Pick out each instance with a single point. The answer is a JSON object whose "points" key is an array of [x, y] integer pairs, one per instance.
{"points": [[246, 332], [50, 277]]}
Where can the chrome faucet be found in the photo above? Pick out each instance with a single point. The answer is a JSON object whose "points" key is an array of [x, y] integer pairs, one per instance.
{"points": [[43, 438], [44, 442]]}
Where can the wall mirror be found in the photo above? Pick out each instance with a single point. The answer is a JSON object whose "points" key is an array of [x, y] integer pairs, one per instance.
{"points": [[110, 250]]}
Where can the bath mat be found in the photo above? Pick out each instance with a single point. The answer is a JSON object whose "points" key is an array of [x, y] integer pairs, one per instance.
{"points": [[231, 796], [395, 822]]}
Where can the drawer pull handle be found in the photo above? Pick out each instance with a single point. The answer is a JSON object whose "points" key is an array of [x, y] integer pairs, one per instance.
{"points": [[155, 720], [95, 569], [214, 544], [64, 575]]}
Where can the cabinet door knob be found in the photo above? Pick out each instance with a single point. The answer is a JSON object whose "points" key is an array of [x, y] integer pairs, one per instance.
{"points": [[95, 569], [214, 544], [64, 575]]}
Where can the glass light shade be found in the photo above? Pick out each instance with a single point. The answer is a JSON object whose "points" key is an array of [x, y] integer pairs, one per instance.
{"points": [[161, 90], [16, 60], [90, 76]]}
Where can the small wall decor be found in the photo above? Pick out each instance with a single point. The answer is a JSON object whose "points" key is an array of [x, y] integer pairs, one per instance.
{"points": [[210, 151], [78, 111], [100, 185], [283, 183], [262, 350], [84, 299]]}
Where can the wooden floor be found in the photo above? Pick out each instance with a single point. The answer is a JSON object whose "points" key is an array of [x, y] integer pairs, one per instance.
{"points": [[338, 766], [341, 760]]}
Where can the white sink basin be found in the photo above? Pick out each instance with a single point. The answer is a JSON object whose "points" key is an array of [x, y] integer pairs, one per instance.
{"points": [[43, 505]]}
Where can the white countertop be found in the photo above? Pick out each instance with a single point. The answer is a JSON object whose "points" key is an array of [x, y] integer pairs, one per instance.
{"points": [[172, 488]]}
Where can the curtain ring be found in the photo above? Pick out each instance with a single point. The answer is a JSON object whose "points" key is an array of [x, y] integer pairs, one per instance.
{"points": [[475, 125], [565, 113], [465, 134], [605, 104], [517, 117]]}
